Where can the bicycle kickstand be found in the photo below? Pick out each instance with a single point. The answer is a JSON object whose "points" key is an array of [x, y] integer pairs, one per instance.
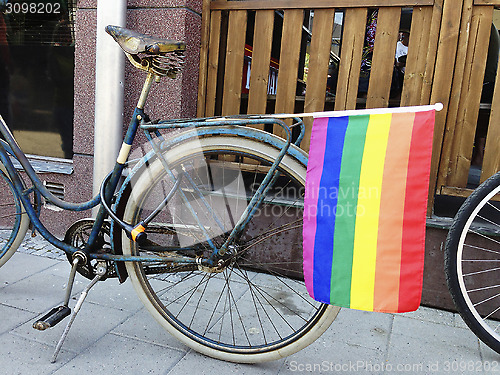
{"points": [[59, 313], [100, 272]]}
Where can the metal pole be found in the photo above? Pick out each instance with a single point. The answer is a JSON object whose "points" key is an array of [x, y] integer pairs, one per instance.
{"points": [[110, 62]]}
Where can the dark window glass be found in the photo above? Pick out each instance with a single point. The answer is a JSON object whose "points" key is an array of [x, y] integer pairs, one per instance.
{"points": [[36, 74]]}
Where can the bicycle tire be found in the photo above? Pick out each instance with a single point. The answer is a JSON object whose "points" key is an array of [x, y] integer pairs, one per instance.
{"points": [[306, 319], [472, 256], [14, 221]]}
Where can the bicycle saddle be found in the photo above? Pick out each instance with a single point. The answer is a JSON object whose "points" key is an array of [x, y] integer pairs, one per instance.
{"points": [[135, 43]]}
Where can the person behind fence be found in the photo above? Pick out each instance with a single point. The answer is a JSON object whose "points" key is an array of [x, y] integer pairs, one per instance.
{"points": [[400, 60], [402, 49]]}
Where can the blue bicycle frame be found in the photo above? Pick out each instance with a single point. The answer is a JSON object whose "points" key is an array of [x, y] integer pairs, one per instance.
{"points": [[193, 128]]}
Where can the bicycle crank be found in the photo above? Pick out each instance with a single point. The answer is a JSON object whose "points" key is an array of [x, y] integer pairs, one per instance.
{"points": [[77, 235]]}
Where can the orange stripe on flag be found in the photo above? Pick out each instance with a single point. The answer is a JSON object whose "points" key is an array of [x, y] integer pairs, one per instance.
{"points": [[392, 201]]}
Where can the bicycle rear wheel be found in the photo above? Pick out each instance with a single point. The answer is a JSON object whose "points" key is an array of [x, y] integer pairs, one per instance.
{"points": [[13, 219], [472, 262], [256, 308]]}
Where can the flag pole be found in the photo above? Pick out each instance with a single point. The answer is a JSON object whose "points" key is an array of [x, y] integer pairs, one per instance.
{"points": [[422, 108]]}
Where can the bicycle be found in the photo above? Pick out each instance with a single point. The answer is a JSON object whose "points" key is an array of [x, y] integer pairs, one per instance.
{"points": [[195, 223], [472, 261]]}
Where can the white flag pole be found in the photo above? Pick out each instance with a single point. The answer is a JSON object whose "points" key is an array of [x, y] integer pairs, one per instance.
{"points": [[358, 112]]}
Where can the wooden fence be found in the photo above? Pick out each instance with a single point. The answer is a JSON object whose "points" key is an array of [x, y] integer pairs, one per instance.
{"points": [[446, 61]]}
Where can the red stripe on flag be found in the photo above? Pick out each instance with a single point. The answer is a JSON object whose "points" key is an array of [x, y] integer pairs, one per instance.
{"points": [[417, 185]]}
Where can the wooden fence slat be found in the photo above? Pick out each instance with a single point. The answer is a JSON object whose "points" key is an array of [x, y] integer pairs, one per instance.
{"points": [[465, 128], [259, 68], [313, 4], [384, 51], [205, 42], [431, 55], [319, 58], [353, 39], [289, 63], [455, 95], [233, 76], [442, 80], [261, 57], [213, 64], [417, 56]]}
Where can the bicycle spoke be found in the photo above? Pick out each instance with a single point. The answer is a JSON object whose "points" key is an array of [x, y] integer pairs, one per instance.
{"points": [[485, 236], [489, 204], [486, 300], [481, 248], [491, 314], [487, 220], [484, 288], [480, 272]]}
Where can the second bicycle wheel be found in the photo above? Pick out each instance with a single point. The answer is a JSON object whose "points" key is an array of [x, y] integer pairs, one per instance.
{"points": [[256, 308], [472, 262]]}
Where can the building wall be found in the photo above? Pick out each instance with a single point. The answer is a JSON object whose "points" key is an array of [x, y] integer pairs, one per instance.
{"points": [[170, 19]]}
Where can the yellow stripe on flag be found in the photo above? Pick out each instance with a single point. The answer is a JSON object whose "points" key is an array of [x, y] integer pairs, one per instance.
{"points": [[367, 214]]}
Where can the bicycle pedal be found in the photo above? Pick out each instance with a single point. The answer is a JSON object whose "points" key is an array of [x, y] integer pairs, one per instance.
{"points": [[53, 317]]}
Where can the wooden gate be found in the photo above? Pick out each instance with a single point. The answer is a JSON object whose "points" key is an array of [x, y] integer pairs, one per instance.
{"points": [[446, 63]]}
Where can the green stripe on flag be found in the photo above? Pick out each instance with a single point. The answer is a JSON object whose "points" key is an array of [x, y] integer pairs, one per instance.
{"points": [[345, 220]]}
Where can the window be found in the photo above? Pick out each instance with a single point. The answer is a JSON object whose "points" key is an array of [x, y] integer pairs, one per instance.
{"points": [[36, 74]]}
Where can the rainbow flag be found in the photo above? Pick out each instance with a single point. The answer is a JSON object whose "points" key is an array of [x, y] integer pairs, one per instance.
{"points": [[365, 208]]}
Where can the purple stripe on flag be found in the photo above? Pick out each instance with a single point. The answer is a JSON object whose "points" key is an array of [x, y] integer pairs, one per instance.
{"points": [[314, 171]]}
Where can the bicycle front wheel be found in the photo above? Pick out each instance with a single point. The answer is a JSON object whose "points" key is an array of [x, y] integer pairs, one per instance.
{"points": [[256, 307], [14, 221], [472, 262]]}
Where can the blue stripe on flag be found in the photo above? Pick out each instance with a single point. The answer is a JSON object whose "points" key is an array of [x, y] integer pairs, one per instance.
{"points": [[327, 203]]}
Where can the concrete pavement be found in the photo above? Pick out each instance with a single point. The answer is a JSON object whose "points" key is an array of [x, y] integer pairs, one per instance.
{"points": [[113, 333]]}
